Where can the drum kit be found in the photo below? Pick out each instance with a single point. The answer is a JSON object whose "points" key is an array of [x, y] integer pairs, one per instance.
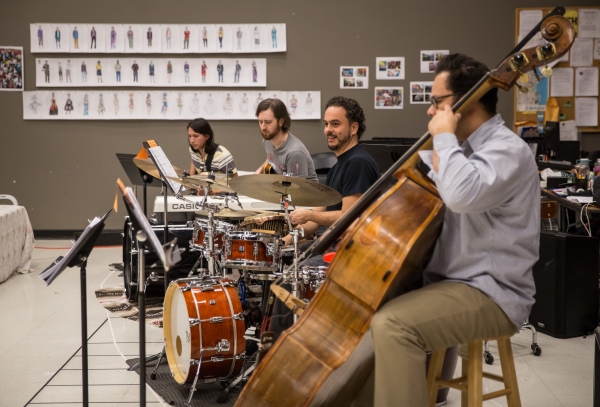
{"points": [[204, 318]]}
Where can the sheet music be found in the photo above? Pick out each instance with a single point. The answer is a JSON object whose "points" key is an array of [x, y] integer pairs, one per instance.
{"points": [[141, 219], [165, 167], [61, 263], [561, 82]]}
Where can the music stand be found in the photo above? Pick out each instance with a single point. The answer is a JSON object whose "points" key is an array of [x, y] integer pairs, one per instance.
{"points": [[77, 257], [151, 242], [136, 175]]}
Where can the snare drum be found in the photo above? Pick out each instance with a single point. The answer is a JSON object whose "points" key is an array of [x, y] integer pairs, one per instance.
{"points": [[250, 251], [274, 222], [200, 235], [204, 329]]}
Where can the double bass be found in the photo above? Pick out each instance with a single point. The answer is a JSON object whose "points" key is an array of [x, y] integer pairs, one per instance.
{"points": [[325, 357]]}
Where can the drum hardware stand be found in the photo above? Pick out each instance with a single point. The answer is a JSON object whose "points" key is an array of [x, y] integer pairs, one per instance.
{"points": [[286, 199], [243, 376]]}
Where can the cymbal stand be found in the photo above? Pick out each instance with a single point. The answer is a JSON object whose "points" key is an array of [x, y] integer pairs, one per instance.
{"points": [[296, 234], [210, 252]]}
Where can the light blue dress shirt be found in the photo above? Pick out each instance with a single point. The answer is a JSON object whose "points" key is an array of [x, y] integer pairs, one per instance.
{"points": [[490, 236]]}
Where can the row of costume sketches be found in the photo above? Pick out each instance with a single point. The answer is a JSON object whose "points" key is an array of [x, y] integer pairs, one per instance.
{"points": [[11, 68], [420, 93], [389, 97], [389, 68], [157, 38], [163, 104], [429, 60], [147, 72], [354, 77]]}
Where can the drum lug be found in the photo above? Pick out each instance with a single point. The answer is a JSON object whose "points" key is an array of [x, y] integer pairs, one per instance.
{"points": [[216, 320], [212, 302], [217, 358], [207, 287], [186, 288], [239, 317], [240, 356], [255, 250], [223, 346], [194, 321], [193, 362]]}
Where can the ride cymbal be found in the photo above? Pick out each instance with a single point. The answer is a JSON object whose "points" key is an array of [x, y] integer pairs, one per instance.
{"points": [[269, 188], [148, 166], [197, 183]]}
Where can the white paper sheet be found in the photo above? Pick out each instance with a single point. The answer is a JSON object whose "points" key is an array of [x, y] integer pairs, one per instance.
{"points": [[582, 52], [597, 48], [430, 58], [252, 72], [561, 82], [586, 81], [568, 131], [165, 104], [389, 68], [354, 77], [528, 19], [586, 112], [420, 93], [589, 23]]}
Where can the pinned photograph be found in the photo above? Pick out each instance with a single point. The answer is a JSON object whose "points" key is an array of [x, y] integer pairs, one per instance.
{"points": [[389, 68], [11, 68], [420, 93], [389, 97], [356, 77], [429, 59]]}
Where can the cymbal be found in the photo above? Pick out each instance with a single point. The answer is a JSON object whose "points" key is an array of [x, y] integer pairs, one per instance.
{"points": [[269, 187], [197, 183], [148, 166], [228, 213]]}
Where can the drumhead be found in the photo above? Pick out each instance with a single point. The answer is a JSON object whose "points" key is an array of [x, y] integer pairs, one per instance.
{"points": [[177, 333]]}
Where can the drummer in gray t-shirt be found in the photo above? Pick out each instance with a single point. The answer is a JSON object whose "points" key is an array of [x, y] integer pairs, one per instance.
{"points": [[285, 152]]}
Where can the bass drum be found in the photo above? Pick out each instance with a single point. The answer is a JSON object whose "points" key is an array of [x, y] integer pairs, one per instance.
{"points": [[204, 329], [130, 260]]}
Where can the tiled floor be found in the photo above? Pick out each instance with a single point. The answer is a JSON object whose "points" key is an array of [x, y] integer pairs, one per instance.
{"points": [[40, 335]]}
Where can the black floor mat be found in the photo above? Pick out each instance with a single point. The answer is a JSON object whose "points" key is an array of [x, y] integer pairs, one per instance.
{"points": [[206, 394]]}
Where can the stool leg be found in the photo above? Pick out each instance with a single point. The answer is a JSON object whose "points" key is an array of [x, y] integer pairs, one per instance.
{"points": [[435, 372], [464, 396], [509, 372], [475, 378]]}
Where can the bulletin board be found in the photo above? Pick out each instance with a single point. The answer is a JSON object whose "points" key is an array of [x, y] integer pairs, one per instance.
{"points": [[566, 104]]}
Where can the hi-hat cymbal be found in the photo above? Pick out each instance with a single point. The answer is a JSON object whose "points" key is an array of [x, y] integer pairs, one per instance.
{"points": [[196, 183], [269, 187], [228, 213], [148, 166]]}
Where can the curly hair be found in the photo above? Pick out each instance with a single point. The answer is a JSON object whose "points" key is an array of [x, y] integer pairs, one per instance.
{"points": [[354, 112]]}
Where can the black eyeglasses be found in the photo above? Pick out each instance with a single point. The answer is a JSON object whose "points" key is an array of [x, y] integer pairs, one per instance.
{"points": [[436, 99]]}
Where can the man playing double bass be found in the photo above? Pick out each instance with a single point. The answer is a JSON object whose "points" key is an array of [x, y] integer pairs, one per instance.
{"points": [[479, 282]]}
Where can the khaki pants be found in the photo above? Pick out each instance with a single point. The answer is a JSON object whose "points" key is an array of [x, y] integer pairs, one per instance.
{"points": [[435, 317]]}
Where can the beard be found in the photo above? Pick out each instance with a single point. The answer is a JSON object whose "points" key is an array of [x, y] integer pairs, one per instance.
{"points": [[342, 141], [271, 135]]}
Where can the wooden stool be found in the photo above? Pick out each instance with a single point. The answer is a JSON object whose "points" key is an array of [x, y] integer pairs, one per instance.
{"points": [[471, 382]]}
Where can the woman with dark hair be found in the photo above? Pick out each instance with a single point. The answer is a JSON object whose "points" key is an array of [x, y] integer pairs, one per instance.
{"points": [[207, 155]]}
